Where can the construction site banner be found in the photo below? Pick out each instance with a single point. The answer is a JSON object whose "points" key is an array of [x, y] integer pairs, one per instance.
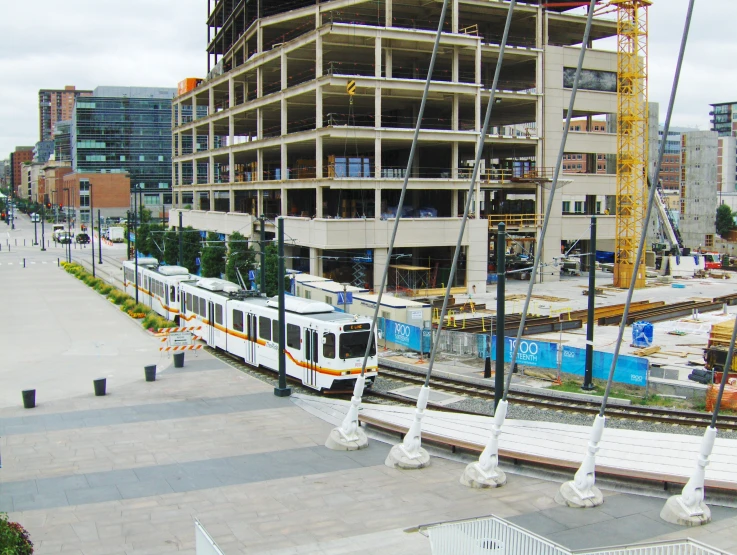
{"points": [[630, 369], [403, 335], [540, 354]]}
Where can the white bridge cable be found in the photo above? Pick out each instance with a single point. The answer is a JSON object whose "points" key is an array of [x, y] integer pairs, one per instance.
{"points": [[648, 213], [400, 205], [469, 197], [551, 198]]}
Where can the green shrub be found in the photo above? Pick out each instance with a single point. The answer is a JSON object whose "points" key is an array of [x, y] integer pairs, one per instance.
{"points": [[117, 296], [141, 308], [14, 539], [103, 288], [128, 304]]}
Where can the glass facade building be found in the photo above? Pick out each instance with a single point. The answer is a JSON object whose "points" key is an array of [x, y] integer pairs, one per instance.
{"points": [[126, 129]]}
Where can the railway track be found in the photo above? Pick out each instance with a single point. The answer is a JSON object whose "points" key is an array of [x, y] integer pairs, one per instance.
{"points": [[482, 392], [461, 388]]}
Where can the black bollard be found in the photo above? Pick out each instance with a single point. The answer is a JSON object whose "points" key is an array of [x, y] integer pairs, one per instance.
{"points": [[150, 372], [24, 262], [29, 398], [178, 360], [100, 385]]}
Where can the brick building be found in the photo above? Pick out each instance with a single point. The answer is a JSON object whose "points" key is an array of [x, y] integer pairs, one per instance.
{"points": [[110, 194], [55, 105], [21, 155]]}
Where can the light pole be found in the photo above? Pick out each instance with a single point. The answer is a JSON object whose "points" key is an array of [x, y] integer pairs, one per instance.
{"points": [[99, 235], [43, 222], [92, 226], [135, 232]]}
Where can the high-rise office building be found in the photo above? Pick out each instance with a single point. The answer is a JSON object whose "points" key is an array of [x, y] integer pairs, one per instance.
{"points": [[55, 105], [126, 129], [274, 130], [63, 141], [724, 122]]}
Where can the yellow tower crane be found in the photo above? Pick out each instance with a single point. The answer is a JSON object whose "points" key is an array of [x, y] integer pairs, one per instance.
{"points": [[632, 137]]}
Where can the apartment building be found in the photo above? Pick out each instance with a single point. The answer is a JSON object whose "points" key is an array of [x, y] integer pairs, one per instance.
{"points": [[724, 122], [55, 105], [20, 156], [274, 131]]}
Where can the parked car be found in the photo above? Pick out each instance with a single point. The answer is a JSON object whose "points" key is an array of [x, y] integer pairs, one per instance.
{"points": [[64, 238], [83, 238]]}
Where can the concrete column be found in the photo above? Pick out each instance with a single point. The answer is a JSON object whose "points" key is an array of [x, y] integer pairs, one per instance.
{"points": [[377, 158], [259, 166], [210, 135], [231, 167], [454, 160], [377, 106], [284, 70], [284, 120], [231, 92], [318, 158], [194, 172], [455, 111], [194, 107], [388, 63], [210, 170], [454, 204], [231, 200], [259, 124], [259, 81], [318, 202], [388, 14], [318, 108], [210, 101], [454, 17], [377, 57], [315, 262], [456, 62], [377, 203], [284, 163], [259, 38], [284, 207], [318, 57], [379, 265], [477, 77], [477, 253], [260, 202]]}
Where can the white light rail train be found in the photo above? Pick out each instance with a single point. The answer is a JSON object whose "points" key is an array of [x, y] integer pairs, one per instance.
{"points": [[324, 348]]}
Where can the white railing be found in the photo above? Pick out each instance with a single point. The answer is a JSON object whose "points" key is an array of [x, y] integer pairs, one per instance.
{"points": [[496, 536], [489, 536], [204, 544], [675, 547]]}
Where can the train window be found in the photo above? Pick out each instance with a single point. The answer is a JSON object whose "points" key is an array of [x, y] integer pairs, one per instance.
{"points": [[218, 314], [328, 346], [264, 328], [353, 344], [275, 331], [293, 336], [172, 293], [203, 307], [189, 302], [237, 320]]}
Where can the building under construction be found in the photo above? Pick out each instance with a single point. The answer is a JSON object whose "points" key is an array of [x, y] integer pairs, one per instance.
{"points": [[308, 112]]}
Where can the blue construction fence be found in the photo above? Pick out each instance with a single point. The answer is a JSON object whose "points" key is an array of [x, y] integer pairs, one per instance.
{"points": [[405, 335], [629, 370]]}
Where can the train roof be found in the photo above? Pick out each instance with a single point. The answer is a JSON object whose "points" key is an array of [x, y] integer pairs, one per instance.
{"points": [[299, 305]]}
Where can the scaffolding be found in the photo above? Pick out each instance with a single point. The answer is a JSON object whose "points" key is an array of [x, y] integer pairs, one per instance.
{"points": [[408, 279], [632, 121]]}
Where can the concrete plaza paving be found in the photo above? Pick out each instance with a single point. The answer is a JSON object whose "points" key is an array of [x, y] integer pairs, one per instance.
{"points": [[127, 473]]}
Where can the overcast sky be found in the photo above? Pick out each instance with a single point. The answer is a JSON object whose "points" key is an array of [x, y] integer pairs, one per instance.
{"points": [[50, 44]]}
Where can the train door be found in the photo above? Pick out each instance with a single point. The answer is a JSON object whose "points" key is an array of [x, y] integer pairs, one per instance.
{"points": [[210, 318], [251, 341], [311, 357]]}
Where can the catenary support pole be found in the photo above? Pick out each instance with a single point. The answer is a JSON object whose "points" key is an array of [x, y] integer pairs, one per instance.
{"points": [[135, 242], [282, 390], [485, 472], [92, 230], [501, 246], [99, 237], [43, 222], [410, 453], [262, 253], [582, 491], [348, 436], [180, 261], [588, 374]]}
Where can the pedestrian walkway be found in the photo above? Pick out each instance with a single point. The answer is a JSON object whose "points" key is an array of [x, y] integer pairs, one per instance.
{"points": [[128, 472]]}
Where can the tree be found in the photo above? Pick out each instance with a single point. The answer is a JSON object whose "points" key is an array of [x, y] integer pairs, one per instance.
{"points": [[171, 247], [191, 245], [240, 256], [725, 220], [213, 256], [271, 269]]}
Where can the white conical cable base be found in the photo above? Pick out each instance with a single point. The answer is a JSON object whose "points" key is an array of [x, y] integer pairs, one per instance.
{"points": [[581, 492], [689, 509], [349, 436], [409, 454], [485, 473]]}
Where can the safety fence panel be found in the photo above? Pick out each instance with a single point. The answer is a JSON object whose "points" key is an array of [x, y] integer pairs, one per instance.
{"points": [[457, 343], [204, 544], [488, 536]]}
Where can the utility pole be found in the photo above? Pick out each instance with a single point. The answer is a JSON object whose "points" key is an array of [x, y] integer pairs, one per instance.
{"points": [[501, 247], [588, 374], [181, 246], [282, 390], [135, 243], [128, 234], [262, 219]]}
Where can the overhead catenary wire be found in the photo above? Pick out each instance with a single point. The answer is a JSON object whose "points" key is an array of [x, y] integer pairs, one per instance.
{"points": [[472, 184], [648, 212], [549, 208]]}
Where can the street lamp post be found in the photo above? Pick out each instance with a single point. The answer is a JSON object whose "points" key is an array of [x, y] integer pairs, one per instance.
{"points": [[92, 227], [43, 222], [99, 235], [135, 232]]}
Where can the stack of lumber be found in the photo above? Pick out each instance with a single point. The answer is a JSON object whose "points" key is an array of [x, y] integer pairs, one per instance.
{"points": [[721, 334]]}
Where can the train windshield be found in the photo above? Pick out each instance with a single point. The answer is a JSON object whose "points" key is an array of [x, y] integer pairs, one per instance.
{"points": [[353, 345]]}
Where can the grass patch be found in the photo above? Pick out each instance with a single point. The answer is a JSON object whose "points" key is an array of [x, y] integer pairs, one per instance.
{"points": [[574, 386], [117, 296], [153, 321]]}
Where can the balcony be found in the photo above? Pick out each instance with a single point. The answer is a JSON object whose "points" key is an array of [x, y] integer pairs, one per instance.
{"points": [[515, 220], [218, 222]]}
